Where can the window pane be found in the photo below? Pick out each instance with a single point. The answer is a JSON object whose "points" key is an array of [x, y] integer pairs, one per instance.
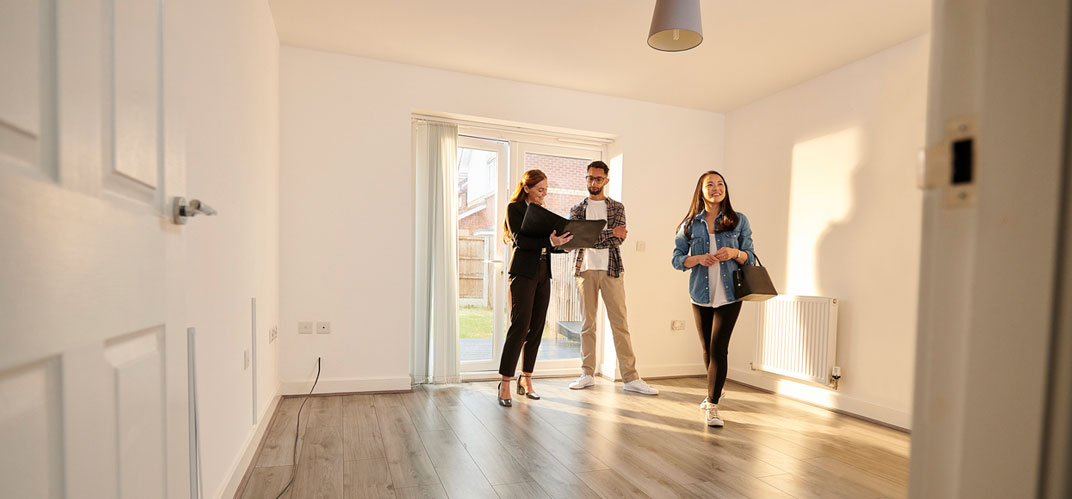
{"points": [[477, 202], [566, 187]]}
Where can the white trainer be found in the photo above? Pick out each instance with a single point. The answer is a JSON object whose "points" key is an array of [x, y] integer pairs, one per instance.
{"points": [[711, 415], [582, 382], [638, 385]]}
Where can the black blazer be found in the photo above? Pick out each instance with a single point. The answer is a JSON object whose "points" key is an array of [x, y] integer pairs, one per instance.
{"points": [[525, 250]]}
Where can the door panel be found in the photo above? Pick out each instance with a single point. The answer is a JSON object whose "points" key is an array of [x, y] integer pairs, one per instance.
{"points": [[21, 32], [135, 92], [30, 430], [136, 363]]}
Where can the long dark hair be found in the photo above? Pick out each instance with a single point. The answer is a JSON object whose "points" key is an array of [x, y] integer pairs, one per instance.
{"points": [[729, 217], [530, 178]]}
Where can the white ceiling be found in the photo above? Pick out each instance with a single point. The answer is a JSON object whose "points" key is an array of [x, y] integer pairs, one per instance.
{"points": [[751, 48]]}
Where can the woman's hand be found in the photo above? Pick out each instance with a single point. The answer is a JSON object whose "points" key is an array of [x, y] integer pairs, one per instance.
{"points": [[725, 253], [557, 240], [706, 260]]}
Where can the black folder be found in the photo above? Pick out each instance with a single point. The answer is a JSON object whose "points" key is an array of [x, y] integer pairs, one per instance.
{"points": [[539, 222]]}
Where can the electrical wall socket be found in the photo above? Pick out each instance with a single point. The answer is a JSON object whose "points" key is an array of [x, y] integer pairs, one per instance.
{"points": [[323, 327], [305, 327], [273, 333], [677, 325], [245, 359], [640, 246]]}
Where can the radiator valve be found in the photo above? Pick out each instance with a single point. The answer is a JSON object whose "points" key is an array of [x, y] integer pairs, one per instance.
{"points": [[835, 375]]}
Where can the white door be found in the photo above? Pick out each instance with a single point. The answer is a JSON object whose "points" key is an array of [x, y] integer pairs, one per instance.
{"points": [[92, 340]]}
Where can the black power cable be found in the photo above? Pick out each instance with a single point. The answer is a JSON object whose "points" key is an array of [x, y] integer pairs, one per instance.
{"points": [[297, 428]]}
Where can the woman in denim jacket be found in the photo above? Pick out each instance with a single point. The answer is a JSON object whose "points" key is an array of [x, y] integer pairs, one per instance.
{"points": [[713, 240]]}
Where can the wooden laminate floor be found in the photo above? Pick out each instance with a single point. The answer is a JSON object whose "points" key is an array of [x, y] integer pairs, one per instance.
{"points": [[455, 441]]}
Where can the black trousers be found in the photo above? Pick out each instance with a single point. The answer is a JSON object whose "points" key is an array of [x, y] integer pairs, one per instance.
{"points": [[715, 326], [528, 312]]}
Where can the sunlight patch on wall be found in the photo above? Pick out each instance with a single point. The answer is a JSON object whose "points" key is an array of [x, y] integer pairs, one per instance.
{"points": [[614, 187], [820, 195]]}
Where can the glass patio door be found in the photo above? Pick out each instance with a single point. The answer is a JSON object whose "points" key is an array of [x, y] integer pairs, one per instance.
{"points": [[565, 167], [481, 187], [488, 171]]}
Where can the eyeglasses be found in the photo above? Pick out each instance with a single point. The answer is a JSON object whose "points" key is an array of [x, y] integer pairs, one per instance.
{"points": [[598, 180]]}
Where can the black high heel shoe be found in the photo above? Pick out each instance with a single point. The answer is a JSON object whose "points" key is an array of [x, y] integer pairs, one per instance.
{"points": [[521, 390], [503, 402]]}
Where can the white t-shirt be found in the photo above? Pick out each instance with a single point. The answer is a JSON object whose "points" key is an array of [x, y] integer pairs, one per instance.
{"points": [[714, 280], [596, 259]]}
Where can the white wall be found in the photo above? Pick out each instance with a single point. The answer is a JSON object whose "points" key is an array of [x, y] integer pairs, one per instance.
{"points": [[347, 206], [825, 172], [232, 165]]}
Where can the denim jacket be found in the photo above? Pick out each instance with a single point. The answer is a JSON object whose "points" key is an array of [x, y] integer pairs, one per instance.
{"points": [[738, 238]]}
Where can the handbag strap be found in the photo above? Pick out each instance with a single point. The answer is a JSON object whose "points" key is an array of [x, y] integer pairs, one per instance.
{"points": [[758, 263]]}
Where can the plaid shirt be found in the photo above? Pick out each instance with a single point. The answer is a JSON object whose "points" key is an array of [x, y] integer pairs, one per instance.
{"points": [[615, 217]]}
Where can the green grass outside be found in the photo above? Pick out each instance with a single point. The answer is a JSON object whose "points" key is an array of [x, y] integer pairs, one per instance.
{"points": [[477, 322]]}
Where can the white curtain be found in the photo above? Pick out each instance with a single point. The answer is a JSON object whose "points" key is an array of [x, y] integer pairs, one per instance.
{"points": [[435, 327]]}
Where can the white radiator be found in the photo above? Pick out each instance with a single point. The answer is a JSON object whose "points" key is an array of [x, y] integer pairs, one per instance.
{"points": [[797, 337]]}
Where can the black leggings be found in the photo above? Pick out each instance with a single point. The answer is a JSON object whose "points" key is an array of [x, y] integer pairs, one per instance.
{"points": [[528, 312], [715, 326]]}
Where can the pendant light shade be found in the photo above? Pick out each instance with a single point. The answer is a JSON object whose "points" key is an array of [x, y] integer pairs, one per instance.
{"points": [[675, 25]]}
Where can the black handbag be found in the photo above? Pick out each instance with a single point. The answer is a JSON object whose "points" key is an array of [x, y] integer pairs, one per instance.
{"points": [[752, 283]]}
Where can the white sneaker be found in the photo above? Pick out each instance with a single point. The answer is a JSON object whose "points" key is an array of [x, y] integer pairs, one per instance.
{"points": [[711, 415], [582, 382], [638, 385]]}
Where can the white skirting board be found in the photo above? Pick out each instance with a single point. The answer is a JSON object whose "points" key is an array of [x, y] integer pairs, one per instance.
{"points": [[668, 371], [540, 373], [615, 378], [353, 385], [822, 397], [253, 441]]}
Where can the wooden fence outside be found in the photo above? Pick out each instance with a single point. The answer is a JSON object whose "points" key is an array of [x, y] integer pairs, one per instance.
{"points": [[472, 271], [565, 302], [474, 288]]}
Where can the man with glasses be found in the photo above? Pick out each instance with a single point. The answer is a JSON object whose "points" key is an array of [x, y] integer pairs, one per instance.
{"points": [[599, 272]]}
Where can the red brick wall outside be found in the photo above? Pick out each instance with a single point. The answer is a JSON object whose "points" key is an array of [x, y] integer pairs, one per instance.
{"points": [[477, 221], [562, 173], [561, 203]]}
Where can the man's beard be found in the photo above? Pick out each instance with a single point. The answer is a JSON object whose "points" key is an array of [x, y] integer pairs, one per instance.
{"points": [[595, 190]]}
